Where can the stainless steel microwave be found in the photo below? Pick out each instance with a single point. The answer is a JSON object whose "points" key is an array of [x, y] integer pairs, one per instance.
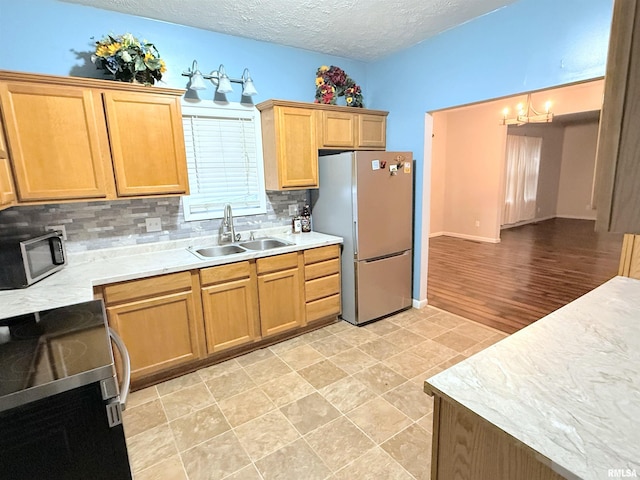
{"points": [[26, 261]]}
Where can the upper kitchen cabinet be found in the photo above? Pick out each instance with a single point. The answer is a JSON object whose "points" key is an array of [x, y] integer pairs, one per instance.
{"points": [[147, 143], [618, 157], [293, 132], [289, 145], [346, 130], [7, 192], [82, 139]]}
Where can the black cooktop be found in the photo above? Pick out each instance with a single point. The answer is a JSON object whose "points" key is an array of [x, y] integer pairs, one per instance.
{"points": [[51, 351]]}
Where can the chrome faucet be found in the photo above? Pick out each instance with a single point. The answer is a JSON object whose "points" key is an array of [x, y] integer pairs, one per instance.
{"points": [[227, 232]]}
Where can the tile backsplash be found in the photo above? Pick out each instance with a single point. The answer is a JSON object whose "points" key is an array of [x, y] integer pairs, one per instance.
{"points": [[96, 225]]}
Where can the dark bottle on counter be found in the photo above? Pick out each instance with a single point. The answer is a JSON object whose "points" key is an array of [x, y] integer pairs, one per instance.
{"points": [[306, 219]]}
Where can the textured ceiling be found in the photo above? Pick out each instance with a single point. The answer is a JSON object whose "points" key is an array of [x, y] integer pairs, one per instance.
{"points": [[358, 29]]}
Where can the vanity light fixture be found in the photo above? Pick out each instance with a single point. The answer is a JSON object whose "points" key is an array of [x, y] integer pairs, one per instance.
{"points": [[221, 80], [196, 80], [527, 114]]}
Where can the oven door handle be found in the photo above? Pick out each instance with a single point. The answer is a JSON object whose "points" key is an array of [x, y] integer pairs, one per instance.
{"points": [[126, 365]]}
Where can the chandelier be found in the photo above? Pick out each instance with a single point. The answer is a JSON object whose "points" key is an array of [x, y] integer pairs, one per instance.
{"points": [[525, 113]]}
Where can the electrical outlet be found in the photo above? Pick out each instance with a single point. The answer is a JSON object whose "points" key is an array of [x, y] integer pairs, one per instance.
{"points": [[50, 228], [477, 223], [153, 224], [293, 210]]}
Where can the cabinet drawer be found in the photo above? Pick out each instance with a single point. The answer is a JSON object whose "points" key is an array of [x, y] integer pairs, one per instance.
{"points": [[322, 287], [277, 262], [160, 285], [322, 269], [315, 255], [323, 308], [223, 273]]}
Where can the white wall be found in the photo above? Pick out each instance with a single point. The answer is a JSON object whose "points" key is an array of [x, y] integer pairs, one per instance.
{"points": [[576, 175]]}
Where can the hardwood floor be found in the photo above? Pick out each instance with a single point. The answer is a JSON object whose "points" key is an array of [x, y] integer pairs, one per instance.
{"points": [[536, 269]]}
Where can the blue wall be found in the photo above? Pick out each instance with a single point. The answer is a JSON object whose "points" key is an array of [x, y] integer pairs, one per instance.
{"points": [[529, 45]]}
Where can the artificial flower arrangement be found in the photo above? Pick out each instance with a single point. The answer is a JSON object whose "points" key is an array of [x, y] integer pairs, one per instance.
{"points": [[332, 82], [129, 59]]}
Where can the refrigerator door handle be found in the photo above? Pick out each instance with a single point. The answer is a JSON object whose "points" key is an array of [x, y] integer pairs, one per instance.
{"points": [[126, 366], [355, 239]]}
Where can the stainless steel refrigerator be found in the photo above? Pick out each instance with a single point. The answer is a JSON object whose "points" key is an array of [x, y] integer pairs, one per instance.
{"points": [[366, 197]]}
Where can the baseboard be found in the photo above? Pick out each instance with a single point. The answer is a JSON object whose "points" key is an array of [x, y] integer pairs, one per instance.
{"points": [[576, 217], [526, 222], [436, 234], [471, 237], [419, 303]]}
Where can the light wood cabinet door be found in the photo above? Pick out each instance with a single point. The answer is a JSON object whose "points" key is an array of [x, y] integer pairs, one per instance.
{"points": [[372, 131], [7, 192], [159, 332], [230, 306], [54, 134], [280, 301], [147, 143], [338, 130], [290, 148]]}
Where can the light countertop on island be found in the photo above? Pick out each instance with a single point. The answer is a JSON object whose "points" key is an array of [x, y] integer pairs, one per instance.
{"points": [[75, 282], [567, 386]]}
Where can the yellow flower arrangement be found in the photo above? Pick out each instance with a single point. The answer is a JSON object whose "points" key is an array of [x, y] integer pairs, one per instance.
{"points": [[128, 59], [332, 82]]}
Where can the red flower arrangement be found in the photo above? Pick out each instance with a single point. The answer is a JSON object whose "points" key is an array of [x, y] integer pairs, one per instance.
{"points": [[332, 82]]}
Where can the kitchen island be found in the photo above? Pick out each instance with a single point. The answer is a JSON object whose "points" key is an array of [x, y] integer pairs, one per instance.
{"points": [[558, 399]]}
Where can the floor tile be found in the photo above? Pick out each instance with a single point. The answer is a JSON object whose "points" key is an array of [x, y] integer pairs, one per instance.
{"points": [[404, 338], [357, 336], [322, 373], [376, 464], [247, 473], [331, 345], [408, 364], [143, 417], [339, 326], [379, 378], [245, 406], [474, 331], [266, 434], [255, 356], [347, 394], [282, 347], [410, 399], [426, 422], [296, 461], [301, 356], [309, 413], [446, 319], [381, 328], [353, 360], [267, 370], [198, 427], [175, 384], [455, 341], [427, 328], [218, 369], [435, 352], [287, 388], [379, 419], [339, 443], [150, 447], [316, 335], [187, 400], [411, 448], [380, 349], [216, 458], [142, 396], [169, 469], [230, 384]]}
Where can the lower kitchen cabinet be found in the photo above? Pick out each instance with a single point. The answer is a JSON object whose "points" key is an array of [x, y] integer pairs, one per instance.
{"points": [[322, 282], [158, 320], [280, 290], [230, 305]]}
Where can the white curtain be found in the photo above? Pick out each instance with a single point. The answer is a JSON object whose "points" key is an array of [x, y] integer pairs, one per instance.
{"points": [[523, 163]]}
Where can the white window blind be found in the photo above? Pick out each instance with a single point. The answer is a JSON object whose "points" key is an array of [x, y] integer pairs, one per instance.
{"points": [[224, 160]]}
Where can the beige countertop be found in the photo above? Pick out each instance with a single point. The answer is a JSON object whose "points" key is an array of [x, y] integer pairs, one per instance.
{"points": [[566, 385], [75, 282]]}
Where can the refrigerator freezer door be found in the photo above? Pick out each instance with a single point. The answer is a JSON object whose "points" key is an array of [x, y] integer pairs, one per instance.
{"points": [[383, 203], [383, 286]]}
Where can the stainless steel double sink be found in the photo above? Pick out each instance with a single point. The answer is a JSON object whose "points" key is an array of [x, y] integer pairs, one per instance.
{"points": [[260, 244]]}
